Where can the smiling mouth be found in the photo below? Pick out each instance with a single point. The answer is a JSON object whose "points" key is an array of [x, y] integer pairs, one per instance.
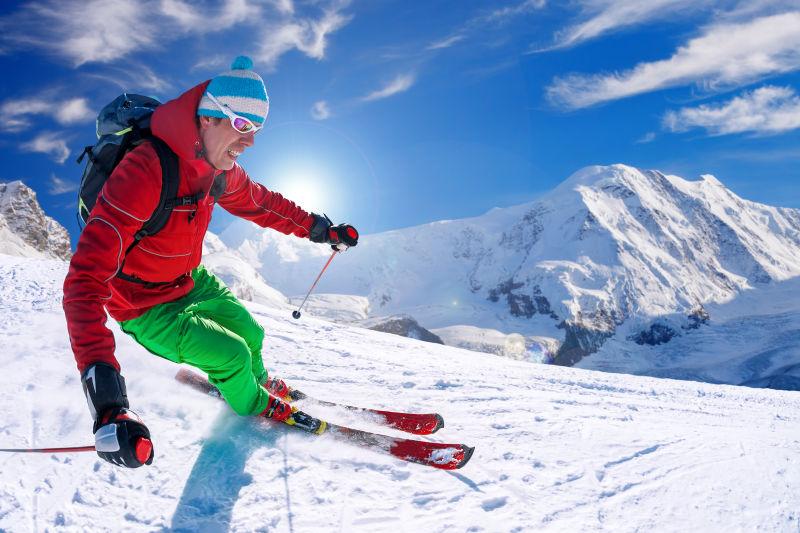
{"points": [[234, 153]]}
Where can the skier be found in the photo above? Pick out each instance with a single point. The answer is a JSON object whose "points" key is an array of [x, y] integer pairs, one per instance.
{"points": [[157, 290]]}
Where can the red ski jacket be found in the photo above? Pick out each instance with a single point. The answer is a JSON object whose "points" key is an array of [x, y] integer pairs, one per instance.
{"points": [[126, 201]]}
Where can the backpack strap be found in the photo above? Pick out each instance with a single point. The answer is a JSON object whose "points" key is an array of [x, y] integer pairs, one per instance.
{"points": [[218, 187], [167, 201]]}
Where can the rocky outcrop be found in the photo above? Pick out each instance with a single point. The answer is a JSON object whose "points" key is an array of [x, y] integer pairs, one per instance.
{"points": [[27, 230], [403, 325], [662, 330], [521, 304], [584, 335]]}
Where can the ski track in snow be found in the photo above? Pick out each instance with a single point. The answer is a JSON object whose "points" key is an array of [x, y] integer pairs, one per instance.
{"points": [[557, 449]]}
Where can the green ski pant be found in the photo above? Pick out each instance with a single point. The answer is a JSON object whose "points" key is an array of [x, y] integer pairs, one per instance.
{"points": [[211, 330]]}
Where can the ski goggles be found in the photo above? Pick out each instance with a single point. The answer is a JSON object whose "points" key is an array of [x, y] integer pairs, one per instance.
{"points": [[239, 123]]}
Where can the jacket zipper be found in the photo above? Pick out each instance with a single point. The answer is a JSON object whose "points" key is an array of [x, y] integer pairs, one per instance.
{"points": [[200, 204]]}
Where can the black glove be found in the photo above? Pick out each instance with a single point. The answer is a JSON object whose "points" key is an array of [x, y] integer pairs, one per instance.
{"points": [[340, 237], [120, 435]]}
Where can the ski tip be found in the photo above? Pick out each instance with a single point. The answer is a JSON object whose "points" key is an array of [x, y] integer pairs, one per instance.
{"points": [[467, 455], [439, 423]]}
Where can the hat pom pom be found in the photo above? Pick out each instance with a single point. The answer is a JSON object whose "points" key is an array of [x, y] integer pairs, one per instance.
{"points": [[242, 63]]}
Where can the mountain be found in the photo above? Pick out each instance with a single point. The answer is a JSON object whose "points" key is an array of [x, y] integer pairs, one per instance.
{"points": [[25, 230], [557, 449], [240, 277], [612, 251]]}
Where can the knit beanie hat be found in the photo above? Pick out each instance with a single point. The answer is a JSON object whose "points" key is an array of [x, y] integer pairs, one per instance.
{"points": [[240, 89]]}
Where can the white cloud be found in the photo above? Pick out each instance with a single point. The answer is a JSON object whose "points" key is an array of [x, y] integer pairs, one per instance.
{"points": [[727, 55], [400, 84], [304, 34], [446, 42], [83, 31], [49, 143], [134, 77], [604, 16], [320, 110], [215, 62], [182, 12], [646, 138], [767, 110], [520, 8], [15, 114], [102, 31], [485, 20], [74, 110], [601, 17], [197, 18], [13, 124], [284, 6], [142, 76], [59, 186]]}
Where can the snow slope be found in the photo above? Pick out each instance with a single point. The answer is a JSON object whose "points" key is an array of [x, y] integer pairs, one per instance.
{"points": [[557, 449]]}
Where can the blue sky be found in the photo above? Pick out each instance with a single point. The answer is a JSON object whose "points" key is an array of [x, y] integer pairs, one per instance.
{"points": [[387, 114]]}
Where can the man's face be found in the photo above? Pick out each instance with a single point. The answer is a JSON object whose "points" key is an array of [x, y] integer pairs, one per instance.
{"points": [[222, 144]]}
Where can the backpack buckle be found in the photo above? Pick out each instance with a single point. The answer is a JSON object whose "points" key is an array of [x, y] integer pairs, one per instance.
{"points": [[86, 150]]}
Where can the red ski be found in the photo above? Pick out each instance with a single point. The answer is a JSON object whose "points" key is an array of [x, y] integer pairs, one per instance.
{"points": [[414, 423], [434, 454]]}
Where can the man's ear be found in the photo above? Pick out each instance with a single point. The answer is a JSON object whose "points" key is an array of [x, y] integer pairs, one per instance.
{"points": [[203, 121]]}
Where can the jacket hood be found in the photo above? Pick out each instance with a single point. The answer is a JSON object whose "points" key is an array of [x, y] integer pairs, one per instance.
{"points": [[175, 122]]}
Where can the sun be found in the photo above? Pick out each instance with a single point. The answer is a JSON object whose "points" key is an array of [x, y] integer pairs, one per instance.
{"points": [[305, 186]]}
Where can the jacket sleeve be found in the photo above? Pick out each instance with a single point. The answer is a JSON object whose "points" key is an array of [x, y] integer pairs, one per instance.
{"points": [[248, 199], [126, 201]]}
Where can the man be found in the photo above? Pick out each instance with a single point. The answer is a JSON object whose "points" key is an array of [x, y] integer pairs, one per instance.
{"points": [[157, 290]]}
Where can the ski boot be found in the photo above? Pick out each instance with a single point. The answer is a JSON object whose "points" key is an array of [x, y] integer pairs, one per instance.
{"points": [[277, 410], [281, 411], [278, 387]]}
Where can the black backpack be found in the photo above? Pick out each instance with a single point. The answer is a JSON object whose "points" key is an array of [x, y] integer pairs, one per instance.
{"points": [[121, 126]]}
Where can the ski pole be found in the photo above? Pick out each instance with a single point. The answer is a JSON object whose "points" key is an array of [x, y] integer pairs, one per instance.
{"points": [[296, 312], [143, 448], [49, 450]]}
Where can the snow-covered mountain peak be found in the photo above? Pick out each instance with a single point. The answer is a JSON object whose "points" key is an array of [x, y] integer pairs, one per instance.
{"points": [[610, 246], [25, 230], [710, 179]]}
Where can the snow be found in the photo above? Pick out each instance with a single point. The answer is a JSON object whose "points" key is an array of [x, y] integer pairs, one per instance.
{"points": [[608, 241], [557, 449], [750, 340], [514, 345], [608, 253], [335, 307], [240, 277]]}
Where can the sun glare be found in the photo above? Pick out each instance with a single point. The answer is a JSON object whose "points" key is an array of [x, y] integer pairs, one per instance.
{"points": [[305, 187]]}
